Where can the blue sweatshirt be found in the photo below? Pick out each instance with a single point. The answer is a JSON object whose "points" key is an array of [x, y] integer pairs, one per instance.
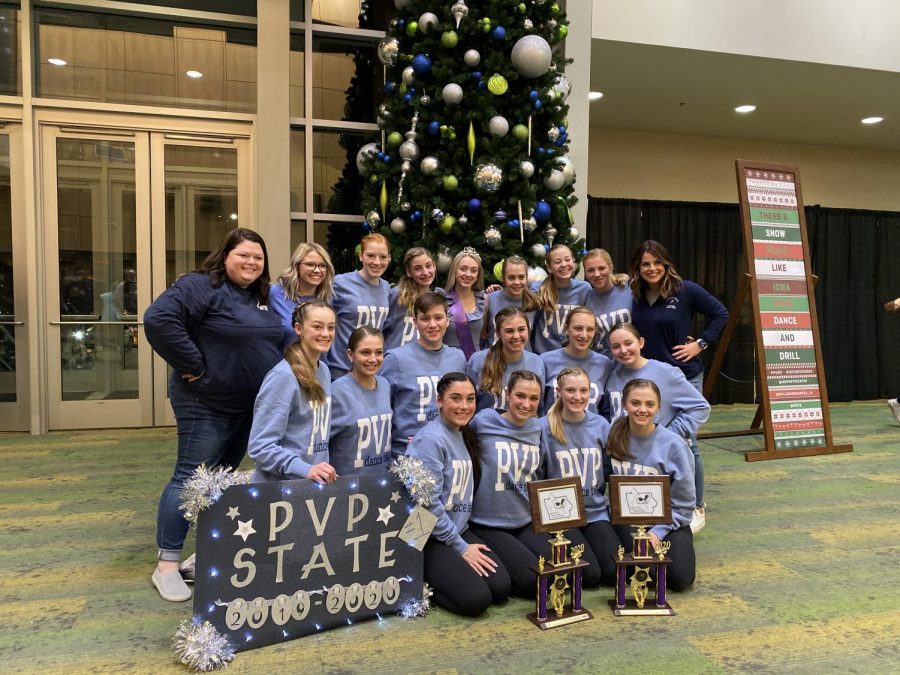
{"points": [[548, 326], [582, 456], [659, 454], [667, 323], [400, 326], [413, 373], [610, 308], [510, 458], [222, 334], [442, 449], [285, 309], [475, 321], [289, 433], [595, 365], [485, 399], [356, 303], [360, 426], [498, 300], [682, 410]]}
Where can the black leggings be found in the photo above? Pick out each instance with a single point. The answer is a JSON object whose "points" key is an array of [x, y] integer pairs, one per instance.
{"points": [[683, 569], [457, 587], [599, 541]]}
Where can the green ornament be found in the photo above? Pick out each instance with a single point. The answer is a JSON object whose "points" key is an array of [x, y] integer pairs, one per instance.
{"points": [[411, 28], [394, 138], [449, 39], [452, 135], [563, 31], [497, 84], [374, 179], [450, 183], [521, 7], [403, 88], [498, 269], [446, 225], [554, 8], [520, 132]]}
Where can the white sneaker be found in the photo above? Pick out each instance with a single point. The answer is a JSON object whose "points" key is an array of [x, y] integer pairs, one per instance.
{"points": [[894, 405], [171, 586], [698, 521]]}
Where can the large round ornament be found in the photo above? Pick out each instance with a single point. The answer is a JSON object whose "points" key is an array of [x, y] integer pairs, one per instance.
{"points": [[373, 219], [444, 260], [567, 166], [492, 235], [542, 210], [398, 225], [472, 58], [538, 251], [498, 126], [527, 168], [408, 76], [531, 56], [409, 150], [553, 180], [452, 93], [429, 165], [488, 177], [428, 21], [388, 51], [421, 64], [474, 206], [366, 154]]}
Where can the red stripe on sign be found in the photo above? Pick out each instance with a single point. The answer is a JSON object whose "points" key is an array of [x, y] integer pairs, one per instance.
{"points": [[798, 426], [786, 320], [782, 250], [781, 287]]}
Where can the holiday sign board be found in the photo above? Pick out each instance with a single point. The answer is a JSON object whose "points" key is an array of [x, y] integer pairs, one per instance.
{"points": [[792, 379], [280, 560]]}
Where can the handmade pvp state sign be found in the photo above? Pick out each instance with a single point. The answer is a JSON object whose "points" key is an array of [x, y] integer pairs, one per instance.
{"points": [[276, 561], [794, 399]]}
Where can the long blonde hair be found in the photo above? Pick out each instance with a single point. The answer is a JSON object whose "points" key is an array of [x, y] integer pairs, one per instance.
{"points": [[617, 442], [548, 294], [301, 365], [451, 275], [554, 415], [494, 366], [290, 278], [408, 289], [530, 301], [620, 280]]}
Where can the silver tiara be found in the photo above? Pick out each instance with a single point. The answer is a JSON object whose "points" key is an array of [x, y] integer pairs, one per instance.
{"points": [[468, 250]]}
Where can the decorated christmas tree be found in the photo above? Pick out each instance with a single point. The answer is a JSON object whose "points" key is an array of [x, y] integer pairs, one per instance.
{"points": [[473, 131]]}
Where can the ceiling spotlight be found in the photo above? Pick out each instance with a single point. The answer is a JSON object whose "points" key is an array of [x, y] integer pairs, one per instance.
{"points": [[745, 109], [595, 95], [233, 216], [57, 62], [194, 74], [871, 120]]}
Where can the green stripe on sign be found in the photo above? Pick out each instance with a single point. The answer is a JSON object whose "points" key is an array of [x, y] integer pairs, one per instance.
{"points": [[775, 216], [783, 303], [777, 356], [775, 233], [811, 404]]}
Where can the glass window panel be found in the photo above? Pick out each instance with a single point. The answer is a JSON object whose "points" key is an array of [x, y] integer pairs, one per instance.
{"points": [[337, 184], [348, 80], [134, 60], [297, 76], [298, 170], [373, 14], [298, 233], [7, 307], [297, 10], [10, 50], [236, 7], [340, 239], [96, 217]]}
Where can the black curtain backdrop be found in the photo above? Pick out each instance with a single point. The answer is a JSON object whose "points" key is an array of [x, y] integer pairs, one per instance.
{"points": [[853, 252]]}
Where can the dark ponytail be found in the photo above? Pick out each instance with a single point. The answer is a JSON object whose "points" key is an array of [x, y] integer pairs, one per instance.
{"points": [[468, 433]]}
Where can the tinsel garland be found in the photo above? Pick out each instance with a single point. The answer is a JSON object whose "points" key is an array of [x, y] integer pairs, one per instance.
{"points": [[420, 481], [413, 609], [205, 488], [199, 646]]}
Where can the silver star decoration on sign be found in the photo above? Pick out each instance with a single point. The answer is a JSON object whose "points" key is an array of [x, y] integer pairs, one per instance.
{"points": [[233, 512], [384, 514], [395, 497], [245, 529]]}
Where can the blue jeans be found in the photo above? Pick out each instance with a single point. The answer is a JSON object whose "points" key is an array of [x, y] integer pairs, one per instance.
{"points": [[697, 383], [205, 436]]}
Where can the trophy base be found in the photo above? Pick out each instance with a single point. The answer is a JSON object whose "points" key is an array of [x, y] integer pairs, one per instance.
{"points": [[649, 609], [553, 621]]}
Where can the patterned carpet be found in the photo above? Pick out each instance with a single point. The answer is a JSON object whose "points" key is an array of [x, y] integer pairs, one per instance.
{"points": [[797, 572]]}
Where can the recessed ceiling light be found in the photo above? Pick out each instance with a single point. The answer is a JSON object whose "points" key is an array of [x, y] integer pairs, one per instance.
{"points": [[194, 74], [745, 109], [595, 95], [57, 62], [233, 216], [871, 120]]}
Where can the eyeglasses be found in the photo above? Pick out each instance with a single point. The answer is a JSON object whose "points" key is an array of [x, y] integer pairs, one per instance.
{"points": [[312, 267]]}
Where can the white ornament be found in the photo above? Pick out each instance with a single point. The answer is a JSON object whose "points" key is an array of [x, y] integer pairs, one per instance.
{"points": [[459, 10], [443, 262], [527, 168], [398, 225], [410, 150], [531, 56], [562, 87], [529, 224], [408, 75], [498, 126], [427, 21], [492, 235], [369, 150], [429, 165], [554, 180], [538, 251], [574, 234], [567, 166], [472, 58], [452, 93]]}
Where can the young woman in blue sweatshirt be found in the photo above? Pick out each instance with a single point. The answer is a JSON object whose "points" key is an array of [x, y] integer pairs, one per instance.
{"points": [[637, 446], [610, 298], [558, 294], [215, 329], [491, 368], [510, 452], [292, 414], [573, 440], [580, 328], [414, 369], [515, 293], [361, 298], [361, 412], [465, 574], [418, 276], [310, 276], [464, 291]]}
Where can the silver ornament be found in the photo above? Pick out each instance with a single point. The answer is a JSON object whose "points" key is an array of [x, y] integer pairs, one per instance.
{"points": [[383, 112], [538, 251], [527, 168], [398, 226], [552, 23], [500, 216], [562, 87], [574, 234], [411, 135], [388, 51], [405, 206], [408, 76], [452, 93], [459, 10], [472, 58], [429, 165], [550, 233], [373, 218], [444, 260], [527, 24], [531, 56], [498, 126], [529, 224], [488, 177], [427, 21], [567, 166], [463, 220], [425, 99], [436, 214], [366, 154], [492, 235], [552, 133], [406, 165], [410, 150], [554, 180]]}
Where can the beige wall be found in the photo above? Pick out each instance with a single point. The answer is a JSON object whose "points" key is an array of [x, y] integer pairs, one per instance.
{"points": [[695, 168]]}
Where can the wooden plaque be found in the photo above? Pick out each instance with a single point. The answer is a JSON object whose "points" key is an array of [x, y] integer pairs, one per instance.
{"points": [[556, 504], [639, 500]]}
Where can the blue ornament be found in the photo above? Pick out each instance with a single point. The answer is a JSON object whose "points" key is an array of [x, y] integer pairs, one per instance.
{"points": [[434, 127], [416, 216], [583, 251], [476, 75], [482, 84], [421, 64], [562, 130], [498, 34], [561, 141], [390, 87], [474, 206], [401, 23], [539, 150], [407, 97], [538, 105], [365, 226], [546, 247], [381, 156], [386, 159], [533, 94], [542, 211], [514, 222]]}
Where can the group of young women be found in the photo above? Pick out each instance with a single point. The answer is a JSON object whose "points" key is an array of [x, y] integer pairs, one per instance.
{"points": [[490, 389]]}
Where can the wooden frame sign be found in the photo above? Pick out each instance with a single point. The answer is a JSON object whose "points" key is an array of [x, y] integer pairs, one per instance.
{"points": [[792, 389], [639, 500]]}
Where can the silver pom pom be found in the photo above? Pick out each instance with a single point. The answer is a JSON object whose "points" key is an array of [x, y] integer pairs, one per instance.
{"points": [[413, 609], [199, 646], [419, 480], [527, 24], [488, 177], [492, 235], [529, 224], [205, 488]]}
